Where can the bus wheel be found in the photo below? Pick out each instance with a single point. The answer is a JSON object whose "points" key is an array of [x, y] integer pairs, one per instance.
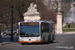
{"points": [[43, 40], [52, 41], [22, 43], [49, 39]]}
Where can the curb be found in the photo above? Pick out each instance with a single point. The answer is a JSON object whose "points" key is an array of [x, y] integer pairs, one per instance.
{"points": [[69, 32], [66, 33]]}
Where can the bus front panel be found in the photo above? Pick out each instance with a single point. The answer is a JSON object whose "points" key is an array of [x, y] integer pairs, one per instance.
{"points": [[29, 32]]}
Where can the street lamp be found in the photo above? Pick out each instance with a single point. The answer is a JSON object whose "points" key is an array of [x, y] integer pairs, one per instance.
{"points": [[11, 39], [0, 33]]}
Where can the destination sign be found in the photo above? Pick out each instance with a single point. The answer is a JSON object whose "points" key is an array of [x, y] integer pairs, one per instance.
{"points": [[23, 24]]}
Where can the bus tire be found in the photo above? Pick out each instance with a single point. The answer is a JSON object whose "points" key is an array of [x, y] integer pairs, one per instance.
{"points": [[52, 41], [43, 41], [49, 39], [22, 43]]}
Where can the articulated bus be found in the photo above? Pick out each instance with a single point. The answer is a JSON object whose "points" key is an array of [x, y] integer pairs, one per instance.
{"points": [[36, 32]]}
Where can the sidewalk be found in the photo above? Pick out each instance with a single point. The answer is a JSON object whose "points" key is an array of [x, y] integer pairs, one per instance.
{"points": [[68, 28], [69, 32], [66, 33]]}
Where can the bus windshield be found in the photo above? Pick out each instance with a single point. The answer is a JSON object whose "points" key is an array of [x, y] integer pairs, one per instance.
{"points": [[29, 30]]}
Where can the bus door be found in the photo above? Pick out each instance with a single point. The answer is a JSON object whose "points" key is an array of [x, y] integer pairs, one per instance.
{"points": [[52, 31], [45, 31]]}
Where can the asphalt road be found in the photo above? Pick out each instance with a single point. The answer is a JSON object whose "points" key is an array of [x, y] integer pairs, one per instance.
{"points": [[62, 42]]}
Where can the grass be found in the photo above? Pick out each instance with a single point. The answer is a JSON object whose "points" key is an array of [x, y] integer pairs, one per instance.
{"points": [[69, 30], [71, 26]]}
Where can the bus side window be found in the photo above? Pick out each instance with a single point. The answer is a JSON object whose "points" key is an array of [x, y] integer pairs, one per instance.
{"points": [[51, 28], [42, 28], [17, 27], [45, 27]]}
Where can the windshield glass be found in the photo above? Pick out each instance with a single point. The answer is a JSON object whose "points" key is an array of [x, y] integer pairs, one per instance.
{"points": [[29, 30]]}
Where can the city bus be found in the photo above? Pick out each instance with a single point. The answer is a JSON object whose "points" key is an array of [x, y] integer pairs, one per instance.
{"points": [[36, 32]]}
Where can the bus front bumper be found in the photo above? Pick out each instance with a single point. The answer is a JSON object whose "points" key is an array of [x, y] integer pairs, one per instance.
{"points": [[38, 41]]}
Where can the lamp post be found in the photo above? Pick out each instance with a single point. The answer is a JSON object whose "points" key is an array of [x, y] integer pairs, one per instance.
{"points": [[0, 34], [11, 39]]}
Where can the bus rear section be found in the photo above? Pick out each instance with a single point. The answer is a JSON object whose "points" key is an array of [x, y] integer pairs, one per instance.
{"points": [[47, 32], [29, 32]]}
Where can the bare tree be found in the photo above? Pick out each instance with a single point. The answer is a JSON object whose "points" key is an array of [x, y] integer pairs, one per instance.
{"points": [[46, 14], [54, 5]]}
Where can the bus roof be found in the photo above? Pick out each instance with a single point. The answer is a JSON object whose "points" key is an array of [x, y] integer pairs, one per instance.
{"points": [[38, 21]]}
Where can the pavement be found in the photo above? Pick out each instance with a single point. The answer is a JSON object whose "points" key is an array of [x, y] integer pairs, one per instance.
{"points": [[67, 33]]}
